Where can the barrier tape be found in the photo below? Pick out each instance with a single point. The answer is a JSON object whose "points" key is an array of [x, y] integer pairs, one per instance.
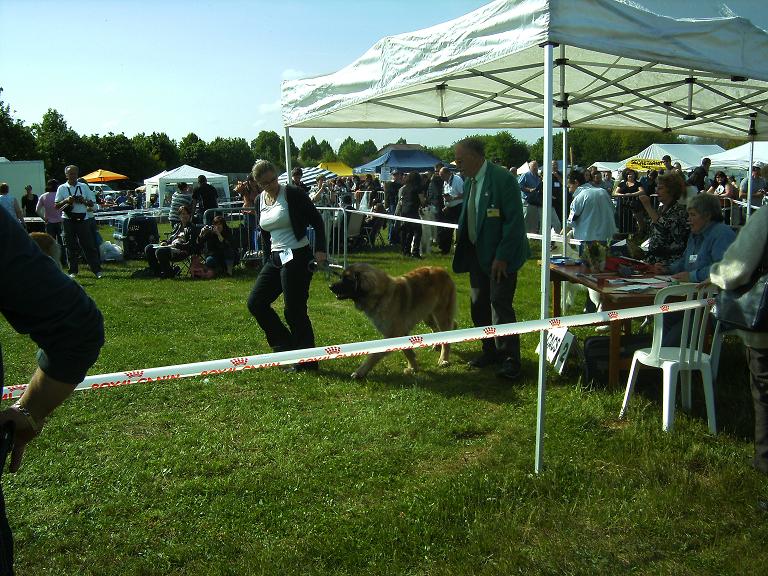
{"points": [[356, 349], [405, 219]]}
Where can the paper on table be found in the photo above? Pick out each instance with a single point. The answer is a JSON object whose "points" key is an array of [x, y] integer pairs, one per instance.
{"points": [[621, 243], [654, 280], [632, 288]]}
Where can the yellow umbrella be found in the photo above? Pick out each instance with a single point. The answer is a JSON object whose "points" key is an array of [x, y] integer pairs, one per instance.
{"points": [[645, 164], [101, 175]]}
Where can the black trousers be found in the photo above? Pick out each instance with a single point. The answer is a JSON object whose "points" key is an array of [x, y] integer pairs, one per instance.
{"points": [[6, 537], [54, 229], [445, 235], [159, 258], [410, 237], [292, 280], [757, 360], [78, 234], [491, 302]]}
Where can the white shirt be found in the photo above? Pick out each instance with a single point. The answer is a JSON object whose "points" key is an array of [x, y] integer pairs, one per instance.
{"points": [[455, 189], [276, 220], [79, 189]]}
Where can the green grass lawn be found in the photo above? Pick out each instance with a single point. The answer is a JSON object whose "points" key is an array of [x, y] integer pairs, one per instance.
{"points": [[268, 472]]}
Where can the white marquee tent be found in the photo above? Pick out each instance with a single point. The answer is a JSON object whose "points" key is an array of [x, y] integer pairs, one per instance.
{"points": [[163, 184], [739, 157], [689, 155], [694, 67]]}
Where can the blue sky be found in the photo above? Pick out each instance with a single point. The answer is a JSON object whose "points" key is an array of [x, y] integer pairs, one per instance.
{"points": [[209, 67]]}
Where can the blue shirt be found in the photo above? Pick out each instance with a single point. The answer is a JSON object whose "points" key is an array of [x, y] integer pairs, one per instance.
{"points": [[528, 180], [703, 250], [592, 214]]}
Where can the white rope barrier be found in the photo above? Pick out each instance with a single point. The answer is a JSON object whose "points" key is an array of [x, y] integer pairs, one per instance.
{"points": [[357, 349]]}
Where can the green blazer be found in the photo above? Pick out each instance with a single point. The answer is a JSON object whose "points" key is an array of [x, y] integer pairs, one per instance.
{"points": [[500, 227]]}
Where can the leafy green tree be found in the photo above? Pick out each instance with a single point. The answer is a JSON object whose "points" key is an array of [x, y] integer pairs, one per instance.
{"points": [[310, 153], [401, 141], [294, 153], [445, 153], [192, 151], [163, 150], [58, 145], [16, 140], [355, 153], [229, 155], [505, 148], [266, 146], [326, 152]]}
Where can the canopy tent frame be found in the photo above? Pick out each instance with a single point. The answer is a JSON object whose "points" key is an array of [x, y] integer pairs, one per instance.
{"points": [[668, 105]]}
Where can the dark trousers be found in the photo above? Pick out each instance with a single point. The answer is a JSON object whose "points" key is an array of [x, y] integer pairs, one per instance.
{"points": [[393, 234], [292, 280], [445, 235], [6, 537], [491, 302], [159, 258], [78, 234], [757, 360], [54, 229], [410, 237]]}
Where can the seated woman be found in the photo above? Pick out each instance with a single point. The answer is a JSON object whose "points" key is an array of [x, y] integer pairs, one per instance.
{"points": [[669, 227], [216, 240], [178, 246], [718, 184], [707, 243]]}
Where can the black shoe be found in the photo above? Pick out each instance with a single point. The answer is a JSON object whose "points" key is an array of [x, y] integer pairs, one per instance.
{"points": [[305, 367], [485, 359], [510, 370]]}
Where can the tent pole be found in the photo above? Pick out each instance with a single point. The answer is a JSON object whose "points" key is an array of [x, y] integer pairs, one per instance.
{"points": [[288, 153], [545, 252], [749, 174], [564, 175]]}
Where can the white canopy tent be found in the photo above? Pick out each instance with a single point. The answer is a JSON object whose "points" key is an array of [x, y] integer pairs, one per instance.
{"points": [[692, 67], [689, 155], [163, 184], [739, 157]]}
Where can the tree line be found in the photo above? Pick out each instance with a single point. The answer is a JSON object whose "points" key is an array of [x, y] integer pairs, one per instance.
{"points": [[143, 155]]}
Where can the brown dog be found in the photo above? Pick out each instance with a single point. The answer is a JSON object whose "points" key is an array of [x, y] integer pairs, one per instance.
{"points": [[396, 305], [48, 245]]}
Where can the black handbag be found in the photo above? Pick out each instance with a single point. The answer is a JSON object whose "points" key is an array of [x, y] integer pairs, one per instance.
{"points": [[746, 307]]}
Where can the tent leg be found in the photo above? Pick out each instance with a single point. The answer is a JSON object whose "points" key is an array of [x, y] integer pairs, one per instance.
{"points": [[288, 153], [545, 252], [749, 175]]}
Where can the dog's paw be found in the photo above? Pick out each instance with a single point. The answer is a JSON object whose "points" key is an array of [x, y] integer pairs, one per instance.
{"points": [[443, 363], [357, 375], [408, 371]]}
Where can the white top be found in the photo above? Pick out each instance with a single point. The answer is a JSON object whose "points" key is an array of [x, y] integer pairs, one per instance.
{"points": [[276, 220], [79, 189], [455, 189], [6, 201], [592, 214]]}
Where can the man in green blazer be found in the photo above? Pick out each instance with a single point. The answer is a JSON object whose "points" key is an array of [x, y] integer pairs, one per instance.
{"points": [[492, 246]]}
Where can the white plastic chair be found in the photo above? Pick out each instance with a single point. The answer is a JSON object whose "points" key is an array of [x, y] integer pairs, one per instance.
{"points": [[682, 360]]}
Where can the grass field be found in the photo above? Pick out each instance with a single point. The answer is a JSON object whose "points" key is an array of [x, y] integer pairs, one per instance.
{"points": [[269, 472]]}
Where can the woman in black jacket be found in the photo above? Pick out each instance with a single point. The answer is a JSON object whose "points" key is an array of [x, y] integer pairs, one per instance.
{"points": [[283, 214], [216, 240], [411, 199]]}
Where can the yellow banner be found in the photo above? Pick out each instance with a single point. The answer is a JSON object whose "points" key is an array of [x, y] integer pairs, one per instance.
{"points": [[645, 164]]}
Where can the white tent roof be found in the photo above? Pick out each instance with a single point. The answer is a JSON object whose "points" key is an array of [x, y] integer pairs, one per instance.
{"points": [[184, 173], [607, 166], [739, 157], [644, 64], [689, 155]]}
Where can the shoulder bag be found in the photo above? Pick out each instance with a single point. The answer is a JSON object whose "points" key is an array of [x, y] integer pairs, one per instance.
{"points": [[746, 307]]}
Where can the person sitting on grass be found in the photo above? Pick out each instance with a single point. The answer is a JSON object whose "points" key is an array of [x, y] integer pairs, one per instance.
{"points": [[216, 240], [178, 246]]}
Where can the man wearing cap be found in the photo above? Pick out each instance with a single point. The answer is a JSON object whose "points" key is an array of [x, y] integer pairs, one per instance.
{"points": [[29, 202]]}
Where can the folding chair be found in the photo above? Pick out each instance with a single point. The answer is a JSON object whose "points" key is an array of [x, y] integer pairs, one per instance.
{"points": [[681, 360]]}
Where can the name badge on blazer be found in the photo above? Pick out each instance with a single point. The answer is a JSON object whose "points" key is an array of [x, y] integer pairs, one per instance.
{"points": [[492, 213], [693, 258]]}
